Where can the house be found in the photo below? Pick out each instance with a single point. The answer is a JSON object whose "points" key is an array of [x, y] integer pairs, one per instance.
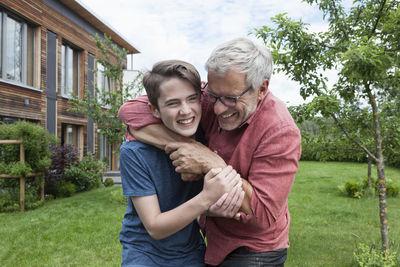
{"points": [[46, 54]]}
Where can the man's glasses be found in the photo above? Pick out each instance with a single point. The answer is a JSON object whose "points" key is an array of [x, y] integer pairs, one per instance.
{"points": [[229, 101]]}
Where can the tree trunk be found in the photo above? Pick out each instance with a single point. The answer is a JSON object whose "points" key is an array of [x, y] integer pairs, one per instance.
{"points": [[381, 174], [369, 171]]}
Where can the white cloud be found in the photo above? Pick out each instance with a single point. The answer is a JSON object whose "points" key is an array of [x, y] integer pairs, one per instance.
{"points": [[189, 30]]}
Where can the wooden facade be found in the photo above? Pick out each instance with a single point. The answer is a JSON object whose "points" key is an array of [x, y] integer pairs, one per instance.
{"points": [[52, 29]]}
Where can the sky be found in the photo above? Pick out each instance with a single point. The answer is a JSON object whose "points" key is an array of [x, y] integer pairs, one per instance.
{"points": [[190, 29]]}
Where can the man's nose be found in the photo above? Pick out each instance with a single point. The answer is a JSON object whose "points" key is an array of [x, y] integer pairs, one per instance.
{"points": [[219, 108]]}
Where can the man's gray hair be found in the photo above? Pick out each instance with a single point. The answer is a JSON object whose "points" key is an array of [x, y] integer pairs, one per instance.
{"points": [[243, 56]]}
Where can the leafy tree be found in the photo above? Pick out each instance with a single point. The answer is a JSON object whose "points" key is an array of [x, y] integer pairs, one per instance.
{"points": [[362, 44], [103, 107]]}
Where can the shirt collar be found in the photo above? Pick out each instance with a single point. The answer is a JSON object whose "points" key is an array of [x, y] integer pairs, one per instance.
{"points": [[251, 118]]}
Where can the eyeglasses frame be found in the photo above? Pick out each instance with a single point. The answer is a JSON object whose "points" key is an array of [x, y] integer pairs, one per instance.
{"points": [[235, 98]]}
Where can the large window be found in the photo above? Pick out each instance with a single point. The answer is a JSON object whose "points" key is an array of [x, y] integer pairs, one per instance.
{"points": [[69, 70], [103, 82], [17, 48]]}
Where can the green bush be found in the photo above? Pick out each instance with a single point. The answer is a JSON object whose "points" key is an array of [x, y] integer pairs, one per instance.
{"points": [[371, 256], [85, 174], [37, 142], [66, 189], [108, 182], [360, 189]]}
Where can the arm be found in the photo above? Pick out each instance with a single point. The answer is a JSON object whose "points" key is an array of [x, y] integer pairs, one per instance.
{"points": [[143, 126], [196, 158], [273, 168], [163, 224]]}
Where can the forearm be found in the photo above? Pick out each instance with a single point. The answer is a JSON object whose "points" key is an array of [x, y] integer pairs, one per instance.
{"points": [[169, 222], [157, 135]]}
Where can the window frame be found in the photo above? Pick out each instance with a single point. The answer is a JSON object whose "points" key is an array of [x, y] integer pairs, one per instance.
{"points": [[28, 37], [75, 60]]}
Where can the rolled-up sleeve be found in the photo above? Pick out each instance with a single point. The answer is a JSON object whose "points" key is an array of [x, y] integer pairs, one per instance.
{"points": [[136, 114]]}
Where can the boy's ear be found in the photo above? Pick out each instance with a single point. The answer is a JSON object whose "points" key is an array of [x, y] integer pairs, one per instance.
{"points": [[154, 110]]}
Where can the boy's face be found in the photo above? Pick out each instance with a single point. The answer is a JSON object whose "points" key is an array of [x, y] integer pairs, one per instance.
{"points": [[179, 107]]}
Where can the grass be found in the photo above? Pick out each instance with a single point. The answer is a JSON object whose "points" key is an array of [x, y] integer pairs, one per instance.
{"points": [[83, 230], [326, 226]]}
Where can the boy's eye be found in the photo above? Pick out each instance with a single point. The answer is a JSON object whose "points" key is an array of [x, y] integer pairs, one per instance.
{"points": [[171, 104], [194, 98]]}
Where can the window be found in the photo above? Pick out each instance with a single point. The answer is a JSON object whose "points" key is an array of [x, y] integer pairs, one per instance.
{"points": [[104, 149], [72, 135], [69, 71], [17, 49], [103, 82]]}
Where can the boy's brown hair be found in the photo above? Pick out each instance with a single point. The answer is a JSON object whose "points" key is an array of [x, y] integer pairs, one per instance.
{"points": [[163, 71]]}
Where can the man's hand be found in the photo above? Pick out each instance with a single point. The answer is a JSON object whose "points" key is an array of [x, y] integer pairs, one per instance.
{"points": [[229, 204], [193, 157]]}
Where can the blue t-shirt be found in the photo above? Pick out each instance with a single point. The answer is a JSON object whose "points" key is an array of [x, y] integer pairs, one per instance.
{"points": [[145, 171]]}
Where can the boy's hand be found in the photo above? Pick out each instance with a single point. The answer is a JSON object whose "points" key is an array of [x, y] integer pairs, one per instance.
{"points": [[218, 182], [229, 204]]}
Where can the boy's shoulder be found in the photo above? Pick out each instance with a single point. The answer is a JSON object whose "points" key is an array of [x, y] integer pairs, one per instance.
{"points": [[138, 147]]}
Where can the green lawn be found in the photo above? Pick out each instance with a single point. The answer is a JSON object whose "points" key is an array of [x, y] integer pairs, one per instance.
{"points": [[83, 230]]}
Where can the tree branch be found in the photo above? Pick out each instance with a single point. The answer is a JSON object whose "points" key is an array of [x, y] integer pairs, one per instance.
{"points": [[352, 139], [383, 3]]}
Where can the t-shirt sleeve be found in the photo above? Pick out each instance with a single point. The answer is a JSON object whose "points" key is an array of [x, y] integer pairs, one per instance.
{"points": [[135, 175], [136, 114]]}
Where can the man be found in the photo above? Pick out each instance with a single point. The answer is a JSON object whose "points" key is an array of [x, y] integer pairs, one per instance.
{"points": [[247, 127]]}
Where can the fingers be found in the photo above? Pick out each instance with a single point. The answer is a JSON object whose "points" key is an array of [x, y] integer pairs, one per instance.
{"points": [[231, 204], [171, 147], [220, 201], [212, 173]]}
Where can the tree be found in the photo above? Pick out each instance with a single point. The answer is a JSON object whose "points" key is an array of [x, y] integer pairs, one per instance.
{"points": [[362, 44], [103, 107]]}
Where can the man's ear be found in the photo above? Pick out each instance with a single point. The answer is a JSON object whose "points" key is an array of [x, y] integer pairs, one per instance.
{"points": [[263, 89], [154, 110]]}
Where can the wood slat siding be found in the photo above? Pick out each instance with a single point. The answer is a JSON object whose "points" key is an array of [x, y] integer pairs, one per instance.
{"points": [[12, 97]]}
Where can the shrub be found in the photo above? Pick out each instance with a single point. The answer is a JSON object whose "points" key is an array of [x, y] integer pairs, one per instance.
{"points": [[85, 174], [371, 256], [108, 182], [65, 189], [360, 189], [37, 142], [63, 157]]}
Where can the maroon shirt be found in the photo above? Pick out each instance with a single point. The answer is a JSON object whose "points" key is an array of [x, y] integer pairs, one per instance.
{"points": [[265, 150]]}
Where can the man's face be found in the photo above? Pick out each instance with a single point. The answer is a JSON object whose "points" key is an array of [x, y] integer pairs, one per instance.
{"points": [[178, 107], [232, 84]]}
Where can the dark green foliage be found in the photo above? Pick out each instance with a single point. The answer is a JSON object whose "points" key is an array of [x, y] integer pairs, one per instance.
{"points": [[85, 174], [63, 157], [108, 182], [65, 189], [37, 142]]}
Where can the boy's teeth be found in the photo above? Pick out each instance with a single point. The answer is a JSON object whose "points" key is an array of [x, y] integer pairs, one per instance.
{"points": [[186, 121]]}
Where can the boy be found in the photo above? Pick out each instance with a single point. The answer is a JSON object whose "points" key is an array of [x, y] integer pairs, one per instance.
{"points": [[159, 227]]}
